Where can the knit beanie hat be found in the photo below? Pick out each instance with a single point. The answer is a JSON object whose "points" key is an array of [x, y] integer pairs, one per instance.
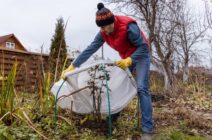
{"points": [[104, 16]]}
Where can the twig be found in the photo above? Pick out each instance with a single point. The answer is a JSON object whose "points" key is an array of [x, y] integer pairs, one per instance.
{"points": [[72, 93], [66, 120], [42, 65], [5, 116], [29, 123], [61, 41], [64, 64]]}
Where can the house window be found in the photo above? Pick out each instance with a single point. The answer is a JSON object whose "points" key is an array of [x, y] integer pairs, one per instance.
{"points": [[10, 45]]}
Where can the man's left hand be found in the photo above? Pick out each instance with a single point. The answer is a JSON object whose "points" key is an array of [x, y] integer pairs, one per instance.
{"points": [[70, 68]]}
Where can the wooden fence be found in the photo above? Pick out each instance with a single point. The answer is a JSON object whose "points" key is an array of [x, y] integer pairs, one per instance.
{"points": [[29, 71]]}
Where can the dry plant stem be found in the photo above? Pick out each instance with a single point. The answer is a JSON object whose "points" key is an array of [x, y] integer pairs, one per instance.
{"points": [[29, 123], [42, 65], [4, 115], [55, 75], [66, 120], [64, 64], [72, 93]]}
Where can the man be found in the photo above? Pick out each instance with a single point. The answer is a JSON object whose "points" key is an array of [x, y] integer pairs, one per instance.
{"points": [[122, 34]]}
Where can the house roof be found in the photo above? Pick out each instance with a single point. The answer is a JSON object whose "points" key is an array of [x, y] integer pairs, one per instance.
{"points": [[6, 37]]}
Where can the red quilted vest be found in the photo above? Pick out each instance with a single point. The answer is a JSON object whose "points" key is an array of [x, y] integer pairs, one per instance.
{"points": [[118, 40]]}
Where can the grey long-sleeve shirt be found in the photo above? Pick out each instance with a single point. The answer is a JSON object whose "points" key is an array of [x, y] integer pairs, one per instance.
{"points": [[134, 37]]}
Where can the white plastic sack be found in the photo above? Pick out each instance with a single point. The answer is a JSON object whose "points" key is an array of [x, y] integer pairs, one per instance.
{"points": [[121, 84]]}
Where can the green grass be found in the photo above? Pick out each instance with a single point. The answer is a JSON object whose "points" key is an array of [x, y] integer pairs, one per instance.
{"points": [[39, 108], [46, 99], [176, 134], [209, 88], [7, 95]]}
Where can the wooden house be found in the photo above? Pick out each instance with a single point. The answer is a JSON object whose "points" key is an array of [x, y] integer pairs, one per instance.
{"points": [[11, 42]]}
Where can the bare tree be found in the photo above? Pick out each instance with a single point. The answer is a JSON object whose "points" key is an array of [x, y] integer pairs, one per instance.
{"points": [[190, 32], [208, 13], [159, 18]]}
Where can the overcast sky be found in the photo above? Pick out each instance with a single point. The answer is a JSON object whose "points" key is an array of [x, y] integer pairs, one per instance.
{"points": [[33, 22]]}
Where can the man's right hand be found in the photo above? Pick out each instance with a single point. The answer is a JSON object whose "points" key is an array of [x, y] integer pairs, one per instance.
{"points": [[70, 68]]}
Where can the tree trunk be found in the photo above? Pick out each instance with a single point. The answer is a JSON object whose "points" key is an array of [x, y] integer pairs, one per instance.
{"points": [[168, 77], [185, 73]]}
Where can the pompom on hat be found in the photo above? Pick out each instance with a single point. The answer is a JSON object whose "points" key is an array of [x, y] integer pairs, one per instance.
{"points": [[104, 16]]}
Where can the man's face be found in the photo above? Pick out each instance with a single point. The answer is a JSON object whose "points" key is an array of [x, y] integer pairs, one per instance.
{"points": [[108, 29]]}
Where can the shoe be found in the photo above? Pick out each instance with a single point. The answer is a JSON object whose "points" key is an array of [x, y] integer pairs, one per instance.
{"points": [[147, 136], [136, 137], [144, 131], [114, 117]]}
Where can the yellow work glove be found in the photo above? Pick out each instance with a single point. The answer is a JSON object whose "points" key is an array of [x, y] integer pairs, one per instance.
{"points": [[124, 63], [70, 68]]}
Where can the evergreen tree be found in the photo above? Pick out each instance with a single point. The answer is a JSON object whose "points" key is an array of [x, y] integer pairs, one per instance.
{"points": [[58, 49]]}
